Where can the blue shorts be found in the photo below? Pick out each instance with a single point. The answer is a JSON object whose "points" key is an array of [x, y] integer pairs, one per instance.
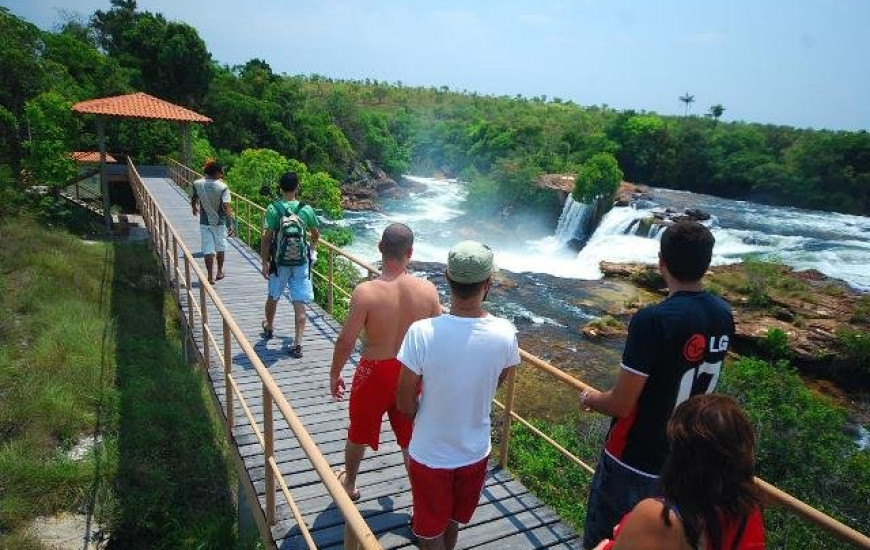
{"points": [[615, 490], [294, 277]]}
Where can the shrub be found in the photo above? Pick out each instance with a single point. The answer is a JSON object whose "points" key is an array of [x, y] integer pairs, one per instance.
{"points": [[775, 343], [761, 276], [861, 313], [803, 449], [856, 345]]}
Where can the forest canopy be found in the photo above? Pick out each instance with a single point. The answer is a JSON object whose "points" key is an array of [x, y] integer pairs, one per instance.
{"points": [[332, 126]]}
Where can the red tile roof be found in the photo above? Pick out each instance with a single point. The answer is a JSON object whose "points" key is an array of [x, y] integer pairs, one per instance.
{"points": [[90, 157], [139, 105]]}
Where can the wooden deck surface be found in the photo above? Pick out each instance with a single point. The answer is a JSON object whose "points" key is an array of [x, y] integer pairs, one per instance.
{"points": [[509, 516]]}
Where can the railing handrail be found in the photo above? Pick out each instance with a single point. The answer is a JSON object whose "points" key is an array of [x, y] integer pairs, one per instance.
{"points": [[775, 494], [354, 520]]}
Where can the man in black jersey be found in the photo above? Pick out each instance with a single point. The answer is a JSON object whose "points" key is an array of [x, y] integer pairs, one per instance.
{"points": [[674, 350]]}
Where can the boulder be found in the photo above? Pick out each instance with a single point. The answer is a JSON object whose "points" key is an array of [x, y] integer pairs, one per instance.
{"points": [[357, 205]]}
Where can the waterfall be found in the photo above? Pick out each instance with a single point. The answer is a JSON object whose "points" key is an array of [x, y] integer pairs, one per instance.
{"points": [[571, 222]]}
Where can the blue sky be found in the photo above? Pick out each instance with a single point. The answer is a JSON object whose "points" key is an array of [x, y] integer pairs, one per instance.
{"points": [[799, 62]]}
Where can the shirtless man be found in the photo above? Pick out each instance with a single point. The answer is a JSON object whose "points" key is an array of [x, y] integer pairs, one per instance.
{"points": [[384, 309]]}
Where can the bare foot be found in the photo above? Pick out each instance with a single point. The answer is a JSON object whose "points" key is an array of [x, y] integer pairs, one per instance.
{"points": [[220, 276]]}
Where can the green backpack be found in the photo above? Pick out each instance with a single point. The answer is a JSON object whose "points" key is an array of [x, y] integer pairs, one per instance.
{"points": [[291, 246]]}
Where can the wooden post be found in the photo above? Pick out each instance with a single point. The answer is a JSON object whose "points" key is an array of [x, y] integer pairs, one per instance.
{"points": [[228, 369], [350, 540], [175, 270], [164, 256], [104, 179], [268, 453], [203, 312], [506, 425], [248, 223], [330, 294], [187, 293]]}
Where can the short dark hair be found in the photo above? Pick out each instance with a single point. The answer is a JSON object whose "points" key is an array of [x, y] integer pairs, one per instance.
{"points": [[687, 249], [396, 241], [289, 182], [212, 168], [464, 291]]}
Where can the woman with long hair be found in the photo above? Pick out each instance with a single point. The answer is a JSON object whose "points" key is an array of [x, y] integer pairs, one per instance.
{"points": [[709, 499]]}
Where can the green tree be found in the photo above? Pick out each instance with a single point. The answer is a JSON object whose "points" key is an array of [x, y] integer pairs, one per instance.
{"points": [[170, 60], [688, 99], [254, 170], [52, 128], [716, 111], [597, 177]]}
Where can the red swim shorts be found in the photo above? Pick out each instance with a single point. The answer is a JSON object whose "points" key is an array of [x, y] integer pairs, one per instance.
{"points": [[374, 393], [442, 495]]}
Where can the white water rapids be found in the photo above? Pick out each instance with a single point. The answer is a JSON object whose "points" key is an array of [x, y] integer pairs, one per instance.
{"points": [[835, 244]]}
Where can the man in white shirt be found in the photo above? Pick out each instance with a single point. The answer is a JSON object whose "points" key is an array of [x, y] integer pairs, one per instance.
{"points": [[215, 217], [461, 358]]}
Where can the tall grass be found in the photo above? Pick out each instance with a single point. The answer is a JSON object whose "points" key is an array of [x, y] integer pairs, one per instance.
{"points": [[89, 346]]}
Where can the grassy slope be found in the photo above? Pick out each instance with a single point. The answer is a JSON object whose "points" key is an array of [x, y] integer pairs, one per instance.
{"points": [[88, 344]]}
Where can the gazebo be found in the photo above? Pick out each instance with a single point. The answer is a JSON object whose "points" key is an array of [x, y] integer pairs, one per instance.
{"points": [[136, 106]]}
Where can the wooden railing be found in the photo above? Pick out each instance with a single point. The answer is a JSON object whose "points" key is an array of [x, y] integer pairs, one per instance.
{"points": [[184, 274], [85, 195], [251, 217]]}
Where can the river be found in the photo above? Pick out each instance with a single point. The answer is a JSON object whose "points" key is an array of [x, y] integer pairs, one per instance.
{"points": [[550, 290]]}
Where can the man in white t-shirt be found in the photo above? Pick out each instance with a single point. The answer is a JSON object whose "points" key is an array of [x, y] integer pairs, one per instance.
{"points": [[461, 358], [211, 202]]}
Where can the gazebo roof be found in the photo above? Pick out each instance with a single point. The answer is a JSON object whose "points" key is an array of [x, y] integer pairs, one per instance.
{"points": [[139, 105], [90, 157]]}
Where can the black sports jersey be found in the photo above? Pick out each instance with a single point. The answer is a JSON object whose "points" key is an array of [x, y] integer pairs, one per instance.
{"points": [[679, 345]]}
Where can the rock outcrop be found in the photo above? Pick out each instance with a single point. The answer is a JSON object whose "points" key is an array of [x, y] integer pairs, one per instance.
{"points": [[809, 307]]}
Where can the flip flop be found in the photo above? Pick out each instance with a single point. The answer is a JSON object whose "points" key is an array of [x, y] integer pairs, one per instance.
{"points": [[219, 277], [267, 332], [341, 474]]}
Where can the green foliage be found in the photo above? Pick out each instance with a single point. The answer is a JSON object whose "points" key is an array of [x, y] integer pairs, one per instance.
{"points": [[856, 345], [775, 343], [168, 59], [760, 276], [102, 356], [256, 169], [597, 177], [861, 311], [324, 192], [545, 471], [345, 276], [52, 128], [803, 449]]}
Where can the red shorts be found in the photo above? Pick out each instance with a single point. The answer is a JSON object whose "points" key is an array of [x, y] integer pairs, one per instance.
{"points": [[374, 393], [442, 495]]}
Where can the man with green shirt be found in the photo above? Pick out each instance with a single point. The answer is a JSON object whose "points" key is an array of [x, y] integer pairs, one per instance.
{"points": [[286, 256]]}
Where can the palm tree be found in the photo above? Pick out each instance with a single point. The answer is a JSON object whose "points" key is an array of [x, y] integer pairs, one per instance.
{"points": [[716, 111], [688, 99]]}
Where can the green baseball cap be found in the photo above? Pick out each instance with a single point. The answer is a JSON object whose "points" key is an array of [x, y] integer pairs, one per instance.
{"points": [[470, 262]]}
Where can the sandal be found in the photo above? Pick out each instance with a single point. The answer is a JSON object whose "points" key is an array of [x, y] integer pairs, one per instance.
{"points": [[341, 474], [295, 351], [267, 332]]}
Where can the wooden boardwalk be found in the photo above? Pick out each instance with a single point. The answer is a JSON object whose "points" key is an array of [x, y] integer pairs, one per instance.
{"points": [[509, 516]]}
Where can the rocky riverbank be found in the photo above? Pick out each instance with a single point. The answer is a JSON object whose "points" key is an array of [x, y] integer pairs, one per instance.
{"points": [[820, 324], [368, 183]]}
